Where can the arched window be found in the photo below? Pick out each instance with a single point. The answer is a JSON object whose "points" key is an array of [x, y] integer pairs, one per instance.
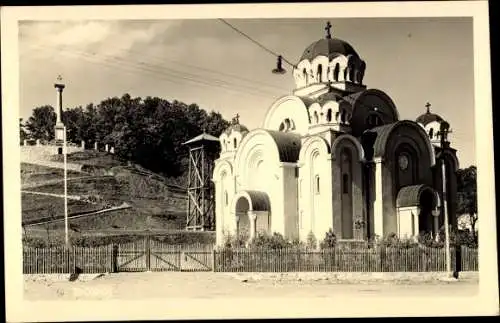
{"points": [[345, 183], [226, 198], [431, 133], [304, 74], [329, 115], [336, 72], [320, 73], [316, 118], [346, 70], [288, 124], [342, 116], [316, 184], [235, 143], [282, 126], [351, 75]]}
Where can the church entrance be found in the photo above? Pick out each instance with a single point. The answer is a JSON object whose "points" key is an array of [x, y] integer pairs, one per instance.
{"points": [[242, 220], [416, 207], [427, 203], [252, 211]]}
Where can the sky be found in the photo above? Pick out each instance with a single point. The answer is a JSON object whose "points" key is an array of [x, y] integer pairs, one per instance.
{"points": [[413, 60]]}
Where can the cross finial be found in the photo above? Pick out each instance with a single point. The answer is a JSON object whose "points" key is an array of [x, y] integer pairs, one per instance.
{"points": [[328, 30], [428, 106], [236, 119]]}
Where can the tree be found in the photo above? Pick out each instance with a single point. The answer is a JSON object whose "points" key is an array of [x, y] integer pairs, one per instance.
{"points": [[467, 195], [41, 124], [149, 132]]}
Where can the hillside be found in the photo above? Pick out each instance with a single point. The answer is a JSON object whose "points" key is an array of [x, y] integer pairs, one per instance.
{"points": [[103, 183]]}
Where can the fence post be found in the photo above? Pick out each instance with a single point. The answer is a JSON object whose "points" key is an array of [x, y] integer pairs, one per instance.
{"points": [[214, 256], [148, 252], [114, 258]]}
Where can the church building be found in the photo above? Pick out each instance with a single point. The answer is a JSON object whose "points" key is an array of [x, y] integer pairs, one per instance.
{"points": [[335, 155]]}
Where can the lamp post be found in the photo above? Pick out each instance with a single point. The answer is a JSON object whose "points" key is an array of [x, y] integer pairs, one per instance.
{"points": [[65, 152], [444, 129]]}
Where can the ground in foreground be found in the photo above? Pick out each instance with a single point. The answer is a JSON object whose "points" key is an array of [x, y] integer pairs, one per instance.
{"points": [[137, 286]]}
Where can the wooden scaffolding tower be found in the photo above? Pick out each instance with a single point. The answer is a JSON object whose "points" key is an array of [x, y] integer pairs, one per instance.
{"points": [[200, 211]]}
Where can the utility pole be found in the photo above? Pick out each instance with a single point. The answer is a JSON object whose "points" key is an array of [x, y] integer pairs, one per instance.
{"points": [[65, 153], [444, 134]]}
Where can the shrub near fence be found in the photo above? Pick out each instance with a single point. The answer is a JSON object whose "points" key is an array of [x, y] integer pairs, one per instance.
{"points": [[385, 259]]}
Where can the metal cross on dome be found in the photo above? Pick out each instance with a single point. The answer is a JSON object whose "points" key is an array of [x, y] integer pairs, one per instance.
{"points": [[428, 106], [328, 30], [59, 77], [236, 119]]}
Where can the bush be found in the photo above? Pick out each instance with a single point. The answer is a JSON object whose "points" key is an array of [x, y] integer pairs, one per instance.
{"points": [[268, 241], [312, 242], [330, 240], [393, 241]]}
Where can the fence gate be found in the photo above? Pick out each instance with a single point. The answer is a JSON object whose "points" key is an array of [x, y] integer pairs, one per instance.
{"points": [[132, 256], [196, 258], [164, 257]]}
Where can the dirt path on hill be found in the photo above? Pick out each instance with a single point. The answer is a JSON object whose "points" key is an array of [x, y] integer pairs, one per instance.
{"points": [[70, 197]]}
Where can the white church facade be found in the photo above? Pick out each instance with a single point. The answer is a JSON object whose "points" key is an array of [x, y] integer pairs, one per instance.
{"points": [[334, 155]]}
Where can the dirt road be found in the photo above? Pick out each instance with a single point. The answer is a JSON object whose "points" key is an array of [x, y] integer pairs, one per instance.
{"points": [[135, 286]]}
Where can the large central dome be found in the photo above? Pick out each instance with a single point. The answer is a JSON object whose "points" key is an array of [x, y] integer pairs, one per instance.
{"points": [[329, 47]]}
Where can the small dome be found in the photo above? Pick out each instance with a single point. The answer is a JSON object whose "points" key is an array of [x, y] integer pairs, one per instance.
{"points": [[236, 126], [429, 117], [329, 47]]}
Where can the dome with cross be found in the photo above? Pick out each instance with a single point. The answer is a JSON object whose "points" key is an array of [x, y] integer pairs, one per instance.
{"points": [[231, 137], [329, 61], [431, 122]]}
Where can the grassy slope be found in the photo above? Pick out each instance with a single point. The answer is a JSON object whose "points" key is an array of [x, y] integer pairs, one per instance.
{"points": [[154, 206]]}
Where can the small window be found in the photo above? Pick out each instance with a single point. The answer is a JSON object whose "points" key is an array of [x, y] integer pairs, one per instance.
{"points": [[316, 117], [320, 73], [226, 198], [235, 143], [336, 72], [342, 116], [329, 115], [317, 184], [282, 127], [345, 184], [431, 133]]}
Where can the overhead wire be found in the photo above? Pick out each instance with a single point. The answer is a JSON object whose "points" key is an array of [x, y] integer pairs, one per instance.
{"points": [[256, 42], [161, 71], [132, 52]]}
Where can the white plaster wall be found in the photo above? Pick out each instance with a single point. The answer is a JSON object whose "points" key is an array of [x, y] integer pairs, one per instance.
{"points": [[224, 182], [290, 201], [408, 222], [290, 107], [316, 209], [257, 167]]}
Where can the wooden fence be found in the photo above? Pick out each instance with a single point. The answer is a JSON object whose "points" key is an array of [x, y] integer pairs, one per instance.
{"points": [[419, 259], [142, 255], [152, 255]]}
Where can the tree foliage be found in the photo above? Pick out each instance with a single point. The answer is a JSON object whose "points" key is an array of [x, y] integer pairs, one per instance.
{"points": [[148, 131], [467, 194], [41, 123]]}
